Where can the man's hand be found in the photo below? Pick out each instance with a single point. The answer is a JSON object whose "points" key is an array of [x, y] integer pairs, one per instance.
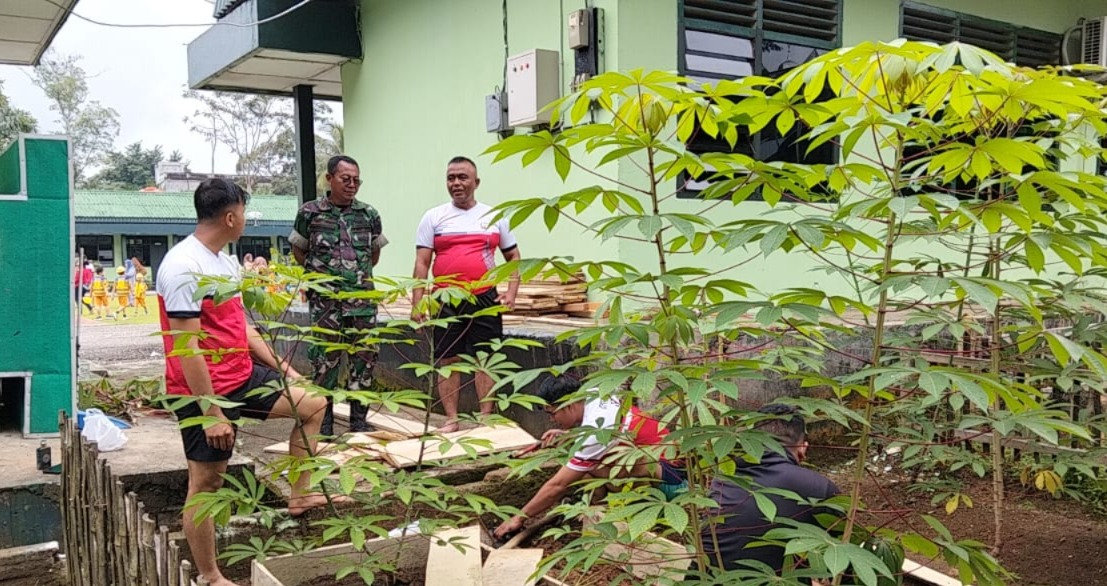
{"points": [[221, 435], [418, 316], [512, 525], [507, 299], [551, 437]]}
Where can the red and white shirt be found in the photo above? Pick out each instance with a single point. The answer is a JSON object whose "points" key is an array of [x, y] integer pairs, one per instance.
{"points": [[602, 414], [464, 241], [224, 324]]}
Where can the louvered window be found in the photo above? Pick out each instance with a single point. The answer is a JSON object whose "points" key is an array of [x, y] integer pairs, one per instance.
{"points": [[729, 39], [1024, 46]]}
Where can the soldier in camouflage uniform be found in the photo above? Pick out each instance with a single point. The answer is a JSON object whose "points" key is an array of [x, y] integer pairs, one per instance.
{"points": [[341, 236]]}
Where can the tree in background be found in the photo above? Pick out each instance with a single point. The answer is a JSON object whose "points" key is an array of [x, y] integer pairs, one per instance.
{"points": [[129, 170], [13, 120], [247, 124], [91, 126], [178, 157], [258, 130], [330, 142]]}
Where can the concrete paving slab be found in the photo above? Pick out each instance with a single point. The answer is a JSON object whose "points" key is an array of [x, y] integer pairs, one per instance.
{"points": [[153, 446]]}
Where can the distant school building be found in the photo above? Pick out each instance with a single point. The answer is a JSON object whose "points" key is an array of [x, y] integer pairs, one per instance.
{"points": [[112, 226]]}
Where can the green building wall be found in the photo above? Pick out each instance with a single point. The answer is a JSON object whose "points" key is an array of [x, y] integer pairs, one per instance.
{"points": [[417, 98], [37, 315]]}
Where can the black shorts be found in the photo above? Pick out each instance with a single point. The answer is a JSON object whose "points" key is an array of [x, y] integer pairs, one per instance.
{"points": [[465, 335], [255, 407]]}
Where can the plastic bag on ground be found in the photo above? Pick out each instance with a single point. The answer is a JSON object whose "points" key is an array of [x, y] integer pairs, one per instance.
{"points": [[98, 428]]}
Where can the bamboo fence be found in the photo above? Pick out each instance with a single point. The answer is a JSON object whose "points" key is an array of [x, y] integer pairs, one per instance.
{"points": [[110, 540]]}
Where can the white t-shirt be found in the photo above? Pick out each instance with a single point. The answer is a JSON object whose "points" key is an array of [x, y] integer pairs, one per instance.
{"points": [[599, 414], [223, 324], [181, 270]]}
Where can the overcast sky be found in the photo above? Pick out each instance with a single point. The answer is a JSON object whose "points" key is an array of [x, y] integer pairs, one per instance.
{"points": [[138, 72]]}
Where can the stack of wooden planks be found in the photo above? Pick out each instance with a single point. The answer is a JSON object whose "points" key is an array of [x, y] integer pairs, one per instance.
{"points": [[553, 296], [548, 297]]}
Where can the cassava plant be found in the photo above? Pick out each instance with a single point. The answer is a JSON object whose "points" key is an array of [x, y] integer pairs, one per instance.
{"points": [[968, 243], [385, 498]]}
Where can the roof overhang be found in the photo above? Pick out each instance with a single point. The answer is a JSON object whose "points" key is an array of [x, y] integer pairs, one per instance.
{"points": [[27, 27], [305, 47]]}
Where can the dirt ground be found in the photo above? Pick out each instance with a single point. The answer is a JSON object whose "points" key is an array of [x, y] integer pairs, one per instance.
{"points": [[120, 349], [1046, 541]]}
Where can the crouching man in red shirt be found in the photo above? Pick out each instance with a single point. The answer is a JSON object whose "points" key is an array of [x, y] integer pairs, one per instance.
{"points": [[588, 462]]}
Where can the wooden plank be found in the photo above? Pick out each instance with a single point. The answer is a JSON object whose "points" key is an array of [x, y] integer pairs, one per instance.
{"points": [[511, 567], [385, 421], [261, 576], [502, 438], [447, 565], [282, 448], [921, 573], [651, 556], [371, 440]]}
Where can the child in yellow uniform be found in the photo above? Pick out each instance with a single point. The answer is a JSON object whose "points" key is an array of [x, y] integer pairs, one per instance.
{"points": [[122, 291], [99, 291], [140, 292]]}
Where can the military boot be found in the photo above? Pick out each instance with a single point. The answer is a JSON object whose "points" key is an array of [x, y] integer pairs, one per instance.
{"points": [[358, 413], [326, 429]]}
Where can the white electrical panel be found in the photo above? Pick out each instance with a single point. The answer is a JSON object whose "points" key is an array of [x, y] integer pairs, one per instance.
{"points": [[533, 81]]}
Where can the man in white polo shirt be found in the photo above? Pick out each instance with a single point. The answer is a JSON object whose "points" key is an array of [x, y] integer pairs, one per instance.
{"points": [[245, 362], [461, 242]]}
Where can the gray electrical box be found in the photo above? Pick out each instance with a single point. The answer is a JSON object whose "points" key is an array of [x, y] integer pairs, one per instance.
{"points": [[495, 113], [580, 28]]}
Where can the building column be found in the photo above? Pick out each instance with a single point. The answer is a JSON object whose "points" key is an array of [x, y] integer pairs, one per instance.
{"points": [[118, 251], [302, 98]]}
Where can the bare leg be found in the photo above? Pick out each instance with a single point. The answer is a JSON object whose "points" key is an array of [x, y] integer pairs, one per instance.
{"points": [[310, 409], [484, 387], [449, 389], [204, 477]]}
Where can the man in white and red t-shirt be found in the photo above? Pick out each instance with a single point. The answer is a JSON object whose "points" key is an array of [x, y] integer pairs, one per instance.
{"points": [[458, 241], [245, 362]]}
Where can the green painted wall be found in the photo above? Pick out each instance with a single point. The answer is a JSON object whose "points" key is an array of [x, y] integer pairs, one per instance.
{"points": [[406, 113], [37, 314], [10, 173]]}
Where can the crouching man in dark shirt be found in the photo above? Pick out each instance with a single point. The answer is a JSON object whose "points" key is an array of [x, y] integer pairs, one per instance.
{"points": [[738, 522]]}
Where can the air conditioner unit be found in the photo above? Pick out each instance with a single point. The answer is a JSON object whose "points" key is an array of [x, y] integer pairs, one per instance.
{"points": [[1094, 49]]}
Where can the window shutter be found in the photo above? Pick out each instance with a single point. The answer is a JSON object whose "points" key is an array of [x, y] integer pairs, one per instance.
{"points": [[993, 36], [807, 19], [1034, 48], [734, 12], [1024, 46], [812, 19], [920, 24]]}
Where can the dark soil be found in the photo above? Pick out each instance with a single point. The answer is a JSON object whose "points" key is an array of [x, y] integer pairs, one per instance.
{"points": [[1046, 541]]}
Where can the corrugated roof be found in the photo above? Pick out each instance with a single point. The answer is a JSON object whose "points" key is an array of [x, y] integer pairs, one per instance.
{"points": [[164, 207]]}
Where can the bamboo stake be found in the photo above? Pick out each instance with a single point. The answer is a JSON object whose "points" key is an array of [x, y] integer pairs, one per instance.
{"points": [[161, 552], [186, 573], [131, 513], [119, 514], [112, 496], [80, 575], [174, 564], [150, 568], [68, 510], [100, 551]]}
